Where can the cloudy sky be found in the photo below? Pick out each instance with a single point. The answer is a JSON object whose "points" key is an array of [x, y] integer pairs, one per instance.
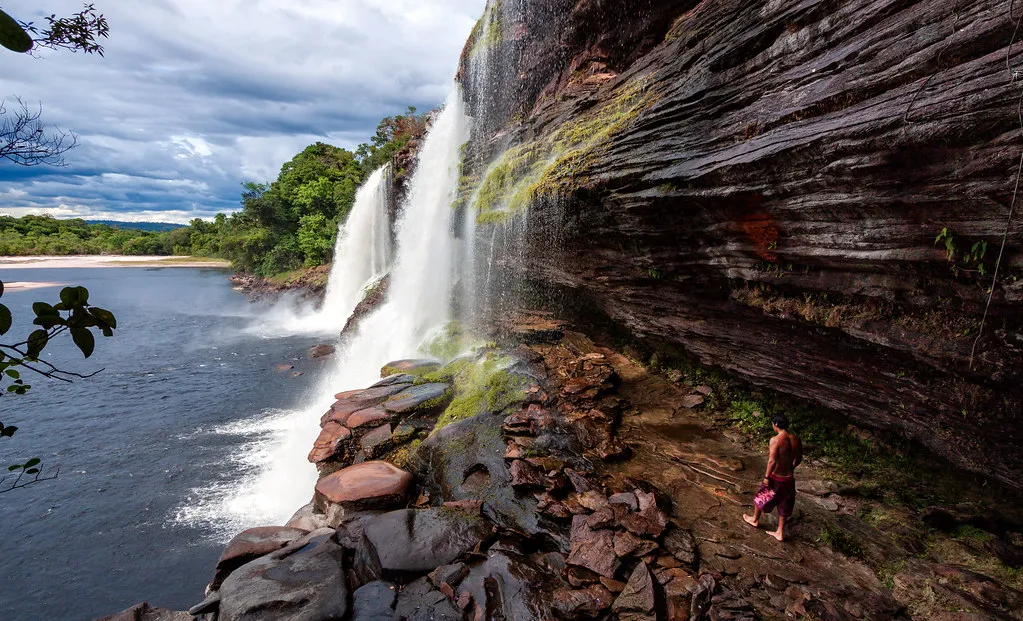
{"points": [[196, 96]]}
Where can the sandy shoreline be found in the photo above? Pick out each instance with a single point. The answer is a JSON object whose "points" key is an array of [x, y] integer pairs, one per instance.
{"points": [[26, 286], [13, 263]]}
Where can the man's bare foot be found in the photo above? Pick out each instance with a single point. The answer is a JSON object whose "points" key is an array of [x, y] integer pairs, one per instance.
{"points": [[777, 535], [749, 520]]}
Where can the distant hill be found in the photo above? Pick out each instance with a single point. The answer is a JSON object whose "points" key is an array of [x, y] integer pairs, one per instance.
{"points": [[159, 227]]}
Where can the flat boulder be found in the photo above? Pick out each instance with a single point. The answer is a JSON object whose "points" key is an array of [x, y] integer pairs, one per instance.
{"points": [[415, 368], [369, 485], [424, 398], [251, 544], [369, 417], [304, 583], [410, 541], [592, 547], [332, 438]]}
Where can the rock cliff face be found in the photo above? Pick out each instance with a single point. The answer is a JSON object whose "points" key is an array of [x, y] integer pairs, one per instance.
{"points": [[760, 184]]}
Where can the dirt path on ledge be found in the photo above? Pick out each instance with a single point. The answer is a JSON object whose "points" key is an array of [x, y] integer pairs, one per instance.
{"points": [[710, 474]]}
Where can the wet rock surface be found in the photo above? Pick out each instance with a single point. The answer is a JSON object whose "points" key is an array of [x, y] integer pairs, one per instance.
{"points": [[593, 494], [415, 541], [295, 584], [250, 545]]}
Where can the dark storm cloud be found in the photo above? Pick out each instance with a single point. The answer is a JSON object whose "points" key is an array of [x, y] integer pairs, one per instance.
{"points": [[195, 97]]}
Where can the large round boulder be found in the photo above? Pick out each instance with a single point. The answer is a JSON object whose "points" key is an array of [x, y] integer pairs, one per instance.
{"points": [[410, 542], [299, 583], [369, 485], [251, 544]]}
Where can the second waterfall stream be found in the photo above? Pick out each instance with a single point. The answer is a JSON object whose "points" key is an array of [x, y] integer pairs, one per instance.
{"points": [[428, 260]]}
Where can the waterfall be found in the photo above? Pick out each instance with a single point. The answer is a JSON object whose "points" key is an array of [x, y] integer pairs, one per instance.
{"points": [[362, 253], [429, 260]]}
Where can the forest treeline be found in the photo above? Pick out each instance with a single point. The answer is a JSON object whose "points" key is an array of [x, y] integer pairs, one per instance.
{"points": [[283, 225]]}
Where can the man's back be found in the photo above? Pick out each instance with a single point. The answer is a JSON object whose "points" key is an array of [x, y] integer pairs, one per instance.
{"points": [[788, 452]]}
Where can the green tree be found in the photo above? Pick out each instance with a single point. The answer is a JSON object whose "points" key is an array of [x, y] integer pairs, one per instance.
{"points": [[316, 238]]}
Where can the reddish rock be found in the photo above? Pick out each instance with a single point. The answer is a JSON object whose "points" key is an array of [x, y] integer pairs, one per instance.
{"points": [[524, 474], [376, 442], [592, 500], [514, 450], [648, 523], [592, 548], [370, 417], [576, 385], [250, 545], [627, 544], [472, 507], [580, 576], [614, 586], [636, 602], [625, 498], [331, 439], [369, 485], [692, 401], [582, 603]]}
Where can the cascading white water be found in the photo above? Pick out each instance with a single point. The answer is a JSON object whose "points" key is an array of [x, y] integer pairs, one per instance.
{"points": [[425, 270], [362, 254]]}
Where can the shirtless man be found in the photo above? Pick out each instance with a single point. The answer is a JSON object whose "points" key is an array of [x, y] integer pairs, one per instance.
{"points": [[778, 489]]}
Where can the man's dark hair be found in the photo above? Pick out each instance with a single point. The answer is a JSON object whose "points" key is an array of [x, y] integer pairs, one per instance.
{"points": [[781, 421]]}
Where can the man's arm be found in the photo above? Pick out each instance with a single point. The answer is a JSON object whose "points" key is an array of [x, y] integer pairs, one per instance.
{"points": [[772, 460]]}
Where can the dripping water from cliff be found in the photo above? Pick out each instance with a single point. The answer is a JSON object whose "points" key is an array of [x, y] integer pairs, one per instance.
{"points": [[429, 259]]}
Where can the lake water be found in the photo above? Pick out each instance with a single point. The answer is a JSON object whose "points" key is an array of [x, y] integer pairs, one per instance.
{"points": [[186, 407]]}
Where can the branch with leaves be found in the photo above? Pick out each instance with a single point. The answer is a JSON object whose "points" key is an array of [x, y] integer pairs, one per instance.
{"points": [[71, 315], [79, 32]]}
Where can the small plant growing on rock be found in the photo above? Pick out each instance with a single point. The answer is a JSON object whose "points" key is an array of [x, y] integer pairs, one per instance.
{"points": [[969, 261]]}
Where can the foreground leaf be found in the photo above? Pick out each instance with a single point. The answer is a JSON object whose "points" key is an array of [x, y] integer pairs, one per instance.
{"points": [[84, 339]]}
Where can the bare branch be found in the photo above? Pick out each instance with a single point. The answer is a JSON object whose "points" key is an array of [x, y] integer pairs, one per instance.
{"points": [[25, 141]]}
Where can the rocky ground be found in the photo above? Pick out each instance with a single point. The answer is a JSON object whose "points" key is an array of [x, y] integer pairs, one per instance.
{"points": [[560, 479], [309, 283]]}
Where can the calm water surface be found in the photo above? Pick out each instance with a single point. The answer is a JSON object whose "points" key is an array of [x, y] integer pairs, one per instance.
{"points": [[186, 401]]}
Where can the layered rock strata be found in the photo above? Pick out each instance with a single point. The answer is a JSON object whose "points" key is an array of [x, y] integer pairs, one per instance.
{"points": [[761, 187]]}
